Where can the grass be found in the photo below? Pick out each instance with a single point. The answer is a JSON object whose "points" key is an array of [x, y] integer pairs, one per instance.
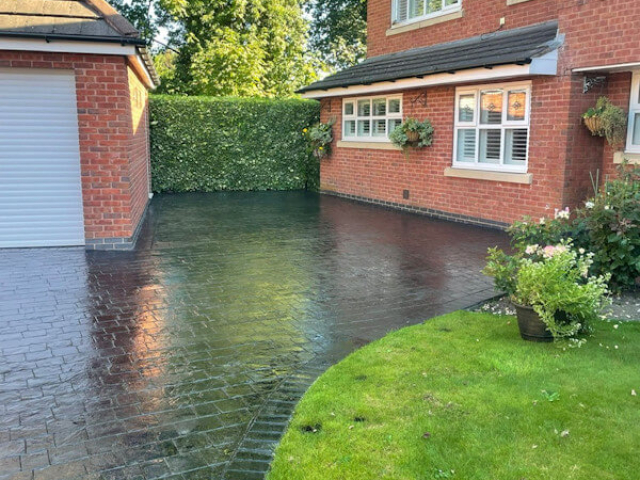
{"points": [[462, 397]]}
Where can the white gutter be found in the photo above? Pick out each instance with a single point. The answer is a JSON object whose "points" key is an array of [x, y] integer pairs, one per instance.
{"points": [[544, 65]]}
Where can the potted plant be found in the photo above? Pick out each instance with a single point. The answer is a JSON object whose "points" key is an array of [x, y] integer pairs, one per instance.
{"points": [[551, 288], [607, 120], [320, 137], [412, 134]]}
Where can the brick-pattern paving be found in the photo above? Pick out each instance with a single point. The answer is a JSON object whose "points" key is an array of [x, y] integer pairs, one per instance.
{"points": [[185, 358]]}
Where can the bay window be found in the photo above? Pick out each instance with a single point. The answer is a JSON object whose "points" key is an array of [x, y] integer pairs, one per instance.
{"points": [[633, 140], [370, 119], [492, 127], [415, 10]]}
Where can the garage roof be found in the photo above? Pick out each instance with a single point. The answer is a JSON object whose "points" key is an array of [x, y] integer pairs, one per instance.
{"points": [[79, 20], [517, 46]]}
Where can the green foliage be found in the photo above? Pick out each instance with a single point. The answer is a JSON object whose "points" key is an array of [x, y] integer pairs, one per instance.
{"points": [[212, 144], [339, 31], [612, 121], [611, 221], [555, 281], [461, 393], [504, 270], [241, 48], [400, 136], [319, 138]]}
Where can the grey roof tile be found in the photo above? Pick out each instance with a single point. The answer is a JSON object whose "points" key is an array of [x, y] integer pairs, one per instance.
{"points": [[515, 46]]}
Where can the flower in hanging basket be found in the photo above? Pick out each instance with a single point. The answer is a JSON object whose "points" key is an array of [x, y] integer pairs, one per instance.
{"points": [[607, 120], [319, 138], [412, 133]]}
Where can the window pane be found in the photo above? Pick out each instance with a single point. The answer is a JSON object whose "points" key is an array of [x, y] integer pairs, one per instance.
{"points": [[364, 128], [467, 107], [515, 146], [491, 108], [416, 8], [466, 149], [402, 8], [517, 106], [490, 146], [379, 128], [394, 105], [393, 124], [380, 107], [636, 130], [448, 3], [434, 6], [350, 128], [364, 108], [348, 108]]}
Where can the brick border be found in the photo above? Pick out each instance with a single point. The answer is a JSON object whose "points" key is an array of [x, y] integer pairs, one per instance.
{"points": [[428, 212], [121, 244]]}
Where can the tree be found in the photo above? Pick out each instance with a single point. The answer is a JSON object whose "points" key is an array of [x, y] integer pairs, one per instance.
{"points": [[339, 31], [241, 47], [141, 13]]}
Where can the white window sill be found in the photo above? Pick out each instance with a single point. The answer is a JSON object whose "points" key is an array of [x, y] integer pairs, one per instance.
{"points": [[427, 22], [369, 145], [515, 2], [632, 158], [521, 178]]}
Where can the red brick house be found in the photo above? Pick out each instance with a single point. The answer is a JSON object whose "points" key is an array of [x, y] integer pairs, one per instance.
{"points": [[74, 144], [504, 83]]}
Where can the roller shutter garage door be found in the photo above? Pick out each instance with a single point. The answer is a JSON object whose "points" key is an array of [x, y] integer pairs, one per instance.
{"points": [[40, 179]]}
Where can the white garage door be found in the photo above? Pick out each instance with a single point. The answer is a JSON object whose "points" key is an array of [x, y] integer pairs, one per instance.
{"points": [[40, 186]]}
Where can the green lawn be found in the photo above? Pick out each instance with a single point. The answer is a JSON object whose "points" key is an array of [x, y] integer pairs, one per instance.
{"points": [[462, 397]]}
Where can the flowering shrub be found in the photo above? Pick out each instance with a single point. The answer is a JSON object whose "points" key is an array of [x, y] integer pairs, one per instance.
{"points": [[608, 225], [555, 281], [319, 138]]}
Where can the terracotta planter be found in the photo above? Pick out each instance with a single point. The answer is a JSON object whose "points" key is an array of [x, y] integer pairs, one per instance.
{"points": [[413, 137], [594, 124], [532, 328]]}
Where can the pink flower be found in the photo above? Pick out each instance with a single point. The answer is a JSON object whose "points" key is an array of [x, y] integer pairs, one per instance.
{"points": [[549, 251]]}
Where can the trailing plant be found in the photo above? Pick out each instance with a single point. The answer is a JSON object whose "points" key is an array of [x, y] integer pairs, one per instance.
{"points": [[607, 120], [319, 138], [412, 133], [207, 144]]}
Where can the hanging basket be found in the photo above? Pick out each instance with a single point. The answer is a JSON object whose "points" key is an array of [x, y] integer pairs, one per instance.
{"points": [[413, 137], [594, 124]]}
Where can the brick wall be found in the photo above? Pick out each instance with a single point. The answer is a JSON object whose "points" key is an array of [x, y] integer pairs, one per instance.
{"points": [[114, 184], [562, 153]]}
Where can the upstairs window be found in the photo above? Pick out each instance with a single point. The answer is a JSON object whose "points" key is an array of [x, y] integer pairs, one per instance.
{"points": [[414, 10], [492, 128], [633, 141], [370, 119]]}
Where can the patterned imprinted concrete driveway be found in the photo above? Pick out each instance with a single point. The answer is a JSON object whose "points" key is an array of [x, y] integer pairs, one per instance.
{"points": [[184, 359]]}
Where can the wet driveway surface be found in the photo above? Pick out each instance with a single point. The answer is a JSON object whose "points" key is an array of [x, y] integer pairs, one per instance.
{"points": [[184, 359]]}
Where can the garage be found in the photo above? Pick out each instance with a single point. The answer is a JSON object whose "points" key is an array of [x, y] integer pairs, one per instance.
{"points": [[40, 178], [74, 125]]}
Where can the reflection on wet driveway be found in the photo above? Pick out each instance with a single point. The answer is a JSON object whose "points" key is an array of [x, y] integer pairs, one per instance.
{"points": [[184, 359]]}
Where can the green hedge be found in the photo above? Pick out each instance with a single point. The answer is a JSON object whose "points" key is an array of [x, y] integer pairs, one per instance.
{"points": [[205, 144]]}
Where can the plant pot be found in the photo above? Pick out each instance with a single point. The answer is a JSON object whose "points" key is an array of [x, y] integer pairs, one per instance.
{"points": [[413, 137], [532, 328], [594, 124]]}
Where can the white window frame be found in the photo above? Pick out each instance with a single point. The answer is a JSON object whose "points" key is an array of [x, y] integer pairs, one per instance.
{"points": [[445, 10], [503, 127], [634, 109], [355, 117]]}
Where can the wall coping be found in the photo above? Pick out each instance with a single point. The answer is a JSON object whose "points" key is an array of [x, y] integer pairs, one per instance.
{"points": [[521, 178]]}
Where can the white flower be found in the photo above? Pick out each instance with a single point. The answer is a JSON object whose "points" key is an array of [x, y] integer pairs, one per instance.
{"points": [[607, 207], [582, 251], [563, 214], [616, 326], [589, 205], [543, 221], [531, 249]]}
